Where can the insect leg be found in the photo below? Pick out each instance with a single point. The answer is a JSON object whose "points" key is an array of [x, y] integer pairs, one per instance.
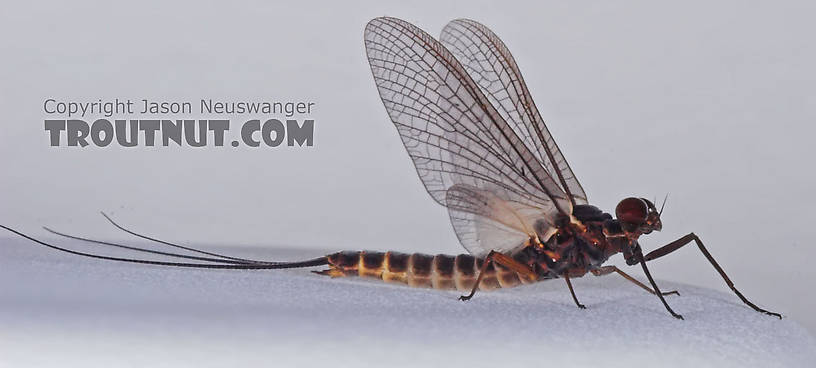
{"points": [[677, 244], [482, 270], [605, 270], [503, 260], [574, 298], [659, 294]]}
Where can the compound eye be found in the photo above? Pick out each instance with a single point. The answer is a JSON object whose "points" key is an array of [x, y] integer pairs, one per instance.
{"points": [[632, 210], [650, 204]]}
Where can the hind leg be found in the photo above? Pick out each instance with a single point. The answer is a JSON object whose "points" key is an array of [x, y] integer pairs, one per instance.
{"points": [[504, 260]]}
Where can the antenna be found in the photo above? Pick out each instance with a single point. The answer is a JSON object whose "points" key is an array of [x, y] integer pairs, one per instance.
{"points": [[663, 205]]}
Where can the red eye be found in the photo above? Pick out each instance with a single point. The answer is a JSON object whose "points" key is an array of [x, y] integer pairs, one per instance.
{"points": [[632, 210]]}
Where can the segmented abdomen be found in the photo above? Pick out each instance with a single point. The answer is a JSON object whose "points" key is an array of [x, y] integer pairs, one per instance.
{"points": [[422, 270]]}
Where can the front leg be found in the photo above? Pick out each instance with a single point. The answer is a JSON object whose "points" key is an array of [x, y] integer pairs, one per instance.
{"points": [[679, 243], [639, 257]]}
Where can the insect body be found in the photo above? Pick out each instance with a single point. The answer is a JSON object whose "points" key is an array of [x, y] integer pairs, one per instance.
{"points": [[482, 150], [563, 253]]}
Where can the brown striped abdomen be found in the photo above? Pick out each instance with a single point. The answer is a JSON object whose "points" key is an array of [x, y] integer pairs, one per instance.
{"points": [[422, 270]]}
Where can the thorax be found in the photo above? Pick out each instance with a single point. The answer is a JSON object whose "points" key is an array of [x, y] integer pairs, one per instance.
{"points": [[577, 248]]}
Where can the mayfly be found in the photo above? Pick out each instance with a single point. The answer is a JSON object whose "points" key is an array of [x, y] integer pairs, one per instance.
{"points": [[482, 150]]}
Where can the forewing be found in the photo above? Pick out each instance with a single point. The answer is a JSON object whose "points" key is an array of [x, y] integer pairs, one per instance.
{"points": [[449, 128], [483, 221], [488, 61]]}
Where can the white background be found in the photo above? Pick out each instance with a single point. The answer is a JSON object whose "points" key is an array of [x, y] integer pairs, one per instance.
{"points": [[712, 103]]}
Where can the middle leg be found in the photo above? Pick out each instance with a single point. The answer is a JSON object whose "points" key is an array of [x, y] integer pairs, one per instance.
{"points": [[605, 270], [572, 292]]}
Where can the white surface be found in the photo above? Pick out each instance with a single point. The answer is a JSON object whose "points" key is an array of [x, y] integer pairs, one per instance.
{"points": [[712, 102], [62, 310]]}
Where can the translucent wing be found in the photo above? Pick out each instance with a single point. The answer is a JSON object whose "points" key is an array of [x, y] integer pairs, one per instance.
{"points": [[484, 222], [450, 129], [492, 67]]}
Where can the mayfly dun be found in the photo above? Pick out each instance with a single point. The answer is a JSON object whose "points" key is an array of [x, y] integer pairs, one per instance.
{"points": [[482, 150]]}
